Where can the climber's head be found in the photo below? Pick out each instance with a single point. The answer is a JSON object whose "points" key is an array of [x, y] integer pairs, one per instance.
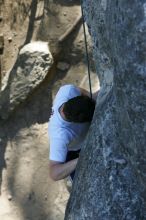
{"points": [[79, 109]]}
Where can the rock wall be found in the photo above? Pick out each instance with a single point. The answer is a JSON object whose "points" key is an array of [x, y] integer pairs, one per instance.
{"points": [[110, 182]]}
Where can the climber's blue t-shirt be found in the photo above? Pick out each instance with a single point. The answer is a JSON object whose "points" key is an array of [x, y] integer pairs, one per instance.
{"points": [[63, 135]]}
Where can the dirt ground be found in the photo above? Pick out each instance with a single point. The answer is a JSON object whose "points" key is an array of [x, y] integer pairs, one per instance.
{"points": [[26, 191]]}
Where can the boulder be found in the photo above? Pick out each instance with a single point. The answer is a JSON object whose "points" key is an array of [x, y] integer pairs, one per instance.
{"points": [[32, 66], [110, 181]]}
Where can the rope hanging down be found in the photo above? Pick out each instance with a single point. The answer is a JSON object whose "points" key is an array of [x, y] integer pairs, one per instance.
{"points": [[86, 48]]}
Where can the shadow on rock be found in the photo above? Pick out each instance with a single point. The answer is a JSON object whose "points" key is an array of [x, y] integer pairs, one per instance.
{"points": [[67, 3]]}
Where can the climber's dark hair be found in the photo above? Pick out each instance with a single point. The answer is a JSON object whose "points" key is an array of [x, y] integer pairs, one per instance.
{"points": [[79, 109]]}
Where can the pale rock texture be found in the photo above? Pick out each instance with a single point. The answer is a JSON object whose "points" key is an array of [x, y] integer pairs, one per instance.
{"points": [[110, 182], [31, 68], [63, 66]]}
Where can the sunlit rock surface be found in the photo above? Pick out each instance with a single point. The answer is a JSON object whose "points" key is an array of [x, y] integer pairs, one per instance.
{"points": [[31, 68], [110, 183]]}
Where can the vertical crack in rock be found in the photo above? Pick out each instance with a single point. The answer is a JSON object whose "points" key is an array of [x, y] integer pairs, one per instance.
{"points": [[110, 182]]}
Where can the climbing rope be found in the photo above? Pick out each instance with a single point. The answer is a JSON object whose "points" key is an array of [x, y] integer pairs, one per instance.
{"points": [[86, 48]]}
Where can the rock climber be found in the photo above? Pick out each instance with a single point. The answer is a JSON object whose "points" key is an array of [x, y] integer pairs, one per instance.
{"points": [[71, 116]]}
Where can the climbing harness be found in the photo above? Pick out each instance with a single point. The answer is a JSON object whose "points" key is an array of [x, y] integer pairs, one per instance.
{"points": [[86, 48]]}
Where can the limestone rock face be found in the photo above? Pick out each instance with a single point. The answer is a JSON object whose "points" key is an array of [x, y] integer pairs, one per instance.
{"points": [[30, 69], [110, 182]]}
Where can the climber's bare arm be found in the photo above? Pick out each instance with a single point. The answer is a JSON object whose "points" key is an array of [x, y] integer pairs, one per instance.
{"points": [[87, 93], [59, 170], [94, 95]]}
